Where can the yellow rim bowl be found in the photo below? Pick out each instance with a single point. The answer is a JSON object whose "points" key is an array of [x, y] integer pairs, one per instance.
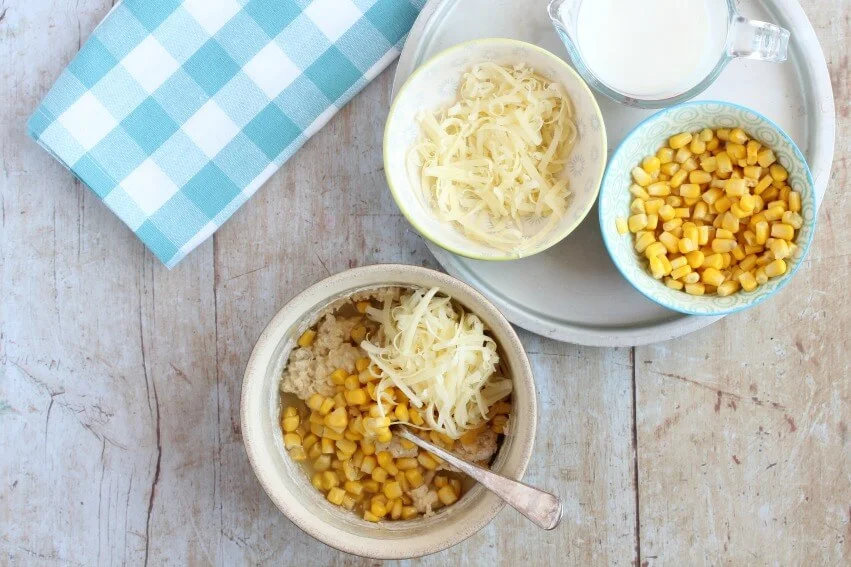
{"points": [[435, 84]]}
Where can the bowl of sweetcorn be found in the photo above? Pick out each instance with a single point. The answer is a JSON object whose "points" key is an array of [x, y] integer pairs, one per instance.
{"points": [[692, 208], [284, 479]]}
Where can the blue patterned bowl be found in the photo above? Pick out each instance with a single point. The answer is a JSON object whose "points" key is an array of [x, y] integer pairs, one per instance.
{"points": [[645, 140]]}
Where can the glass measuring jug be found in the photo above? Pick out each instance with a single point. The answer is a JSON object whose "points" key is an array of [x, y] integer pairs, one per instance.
{"points": [[614, 45]]}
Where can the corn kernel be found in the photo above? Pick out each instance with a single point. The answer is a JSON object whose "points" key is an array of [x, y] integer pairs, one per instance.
{"points": [[370, 517], [730, 222], [641, 177], [747, 281], [637, 222], [697, 146], [358, 333], [721, 245], [669, 169], [795, 202], [679, 140], [738, 136], [306, 338], [678, 178], [778, 172], [292, 440], [712, 276], [651, 164], [724, 163], [621, 225], [447, 495], [727, 288], [722, 204], [784, 231], [638, 191], [658, 189], [775, 268], [691, 278], [674, 284], [695, 289], [780, 249]]}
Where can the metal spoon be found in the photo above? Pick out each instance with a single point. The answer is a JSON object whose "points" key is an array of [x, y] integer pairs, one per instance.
{"points": [[543, 508]]}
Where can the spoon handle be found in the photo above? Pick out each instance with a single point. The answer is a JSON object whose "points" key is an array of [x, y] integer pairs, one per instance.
{"points": [[542, 508]]}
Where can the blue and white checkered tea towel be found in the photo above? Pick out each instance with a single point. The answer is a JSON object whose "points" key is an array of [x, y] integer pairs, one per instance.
{"points": [[175, 112]]}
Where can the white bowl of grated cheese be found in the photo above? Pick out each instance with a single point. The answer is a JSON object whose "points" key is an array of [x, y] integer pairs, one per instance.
{"points": [[494, 149], [284, 480]]}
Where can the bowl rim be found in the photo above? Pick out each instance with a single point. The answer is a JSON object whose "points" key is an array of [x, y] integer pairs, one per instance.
{"points": [[805, 246], [557, 236], [254, 441]]}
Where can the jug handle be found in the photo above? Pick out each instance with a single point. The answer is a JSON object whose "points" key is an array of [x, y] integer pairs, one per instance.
{"points": [[757, 40]]}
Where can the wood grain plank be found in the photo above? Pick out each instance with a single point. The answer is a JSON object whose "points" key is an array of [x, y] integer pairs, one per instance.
{"points": [[743, 444]]}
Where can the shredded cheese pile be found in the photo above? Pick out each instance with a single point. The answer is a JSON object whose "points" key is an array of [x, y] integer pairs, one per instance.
{"points": [[441, 359], [490, 162]]}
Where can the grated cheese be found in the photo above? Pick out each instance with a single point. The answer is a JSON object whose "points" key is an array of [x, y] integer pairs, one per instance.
{"points": [[490, 163], [441, 359]]}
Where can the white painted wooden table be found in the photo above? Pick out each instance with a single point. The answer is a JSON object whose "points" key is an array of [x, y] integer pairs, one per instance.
{"points": [[120, 381]]}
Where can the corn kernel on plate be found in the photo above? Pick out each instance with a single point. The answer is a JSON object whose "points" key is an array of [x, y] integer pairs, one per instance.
{"points": [[573, 291], [707, 208]]}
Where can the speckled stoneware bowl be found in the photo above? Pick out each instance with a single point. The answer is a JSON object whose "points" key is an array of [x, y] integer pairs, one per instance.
{"points": [[286, 482], [435, 85], [645, 140]]}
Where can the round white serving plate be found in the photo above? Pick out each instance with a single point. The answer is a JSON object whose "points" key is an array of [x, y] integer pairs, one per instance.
{"points": [[573, 292]]}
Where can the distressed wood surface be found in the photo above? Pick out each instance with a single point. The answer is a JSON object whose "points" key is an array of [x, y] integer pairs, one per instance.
{"points": [[119, 380]]}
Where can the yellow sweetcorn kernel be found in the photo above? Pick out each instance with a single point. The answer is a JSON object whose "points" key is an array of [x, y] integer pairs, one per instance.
{"points": [[775, 268], [784, 231], [314, 402], [780, 249], [637, 222], [638, 191], [447, 495], [793, 219], [765, 157], [690, 190], [643, 240], [729, 287], [738, 136], [735, 151], [290, 423], [695, 259], [669, 169], [678, 178], [674, 284], [652, 206], [695, 289], [362, 364], [752, 172], [778, 172], [637, 206], [724, 163], [752, 151], [621, 225], [651, 164], [699, 176], [679, 140], [747, 281], [795, 202], [697, 146], [658, 189], [339, 400], [641, 177], [326, 406], [392, 489], [306, 338], [362, 306], [735, 187], [339, 376], [665, 155], [666, 212], [722, 204], [358, 334]]}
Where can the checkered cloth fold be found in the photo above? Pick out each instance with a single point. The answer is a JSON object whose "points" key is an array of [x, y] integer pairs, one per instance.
{"points": [[176, 112]]}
